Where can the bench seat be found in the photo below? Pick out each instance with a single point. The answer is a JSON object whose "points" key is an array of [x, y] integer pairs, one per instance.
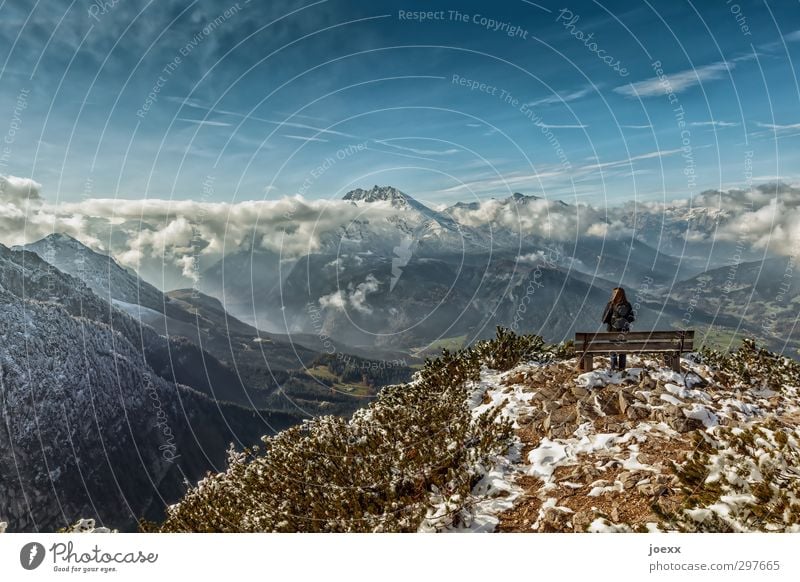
{"points": [[671, 343]]}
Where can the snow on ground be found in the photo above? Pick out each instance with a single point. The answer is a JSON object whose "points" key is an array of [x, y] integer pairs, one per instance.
{"points": [[89, 526], [654, 413], [496, 491]]}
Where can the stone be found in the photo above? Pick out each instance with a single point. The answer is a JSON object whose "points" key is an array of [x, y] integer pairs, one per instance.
{"points": [[647, 458], [625, 400], [563, 415], [647, 383], [568, 398], [580, 392], [562, 431], [551, 405], [669, 413], [556, 519], [609, 403], [645, 488], [524, 419], [628, 479], [582, 519], [694, 380], [549, 393], [586, 412], [616, 427], [684, 425], [637, 412]]}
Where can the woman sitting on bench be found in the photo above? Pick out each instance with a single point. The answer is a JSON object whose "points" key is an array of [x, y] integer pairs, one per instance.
{"points": [[618, 316]]}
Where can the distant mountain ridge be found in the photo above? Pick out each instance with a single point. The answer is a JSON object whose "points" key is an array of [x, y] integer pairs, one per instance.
{"points": [[102, 273], [206, 347]]}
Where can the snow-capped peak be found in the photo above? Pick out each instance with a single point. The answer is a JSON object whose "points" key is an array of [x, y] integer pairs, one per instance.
{"points": [[60, 238], [377, 193]]}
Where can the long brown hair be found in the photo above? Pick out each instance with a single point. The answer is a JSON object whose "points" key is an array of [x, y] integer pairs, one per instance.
{"points": [[618, 296]]}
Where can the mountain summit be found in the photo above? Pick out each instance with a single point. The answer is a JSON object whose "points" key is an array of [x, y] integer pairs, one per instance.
{"points": [[377, 193], [416, 219], [102, 273]]}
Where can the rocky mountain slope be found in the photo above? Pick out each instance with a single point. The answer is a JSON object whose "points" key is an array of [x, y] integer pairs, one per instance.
{"points": [[762, 296], [515, 439], [93, 420], [102, 274]]}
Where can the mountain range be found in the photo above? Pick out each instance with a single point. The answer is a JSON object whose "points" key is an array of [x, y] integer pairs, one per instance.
{"points": [[408, 278]]}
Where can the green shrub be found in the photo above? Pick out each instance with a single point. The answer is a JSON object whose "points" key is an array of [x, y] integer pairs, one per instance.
{"points": [[752, 366], [508, 349], [374, 472]]}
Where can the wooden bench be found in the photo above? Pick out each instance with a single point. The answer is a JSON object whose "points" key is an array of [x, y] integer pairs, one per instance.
{"points": [[671, 343]]}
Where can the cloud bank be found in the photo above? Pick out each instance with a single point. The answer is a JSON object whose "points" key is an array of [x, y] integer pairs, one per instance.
{"points": [[549, 219], [184, 237], [766, 216]]}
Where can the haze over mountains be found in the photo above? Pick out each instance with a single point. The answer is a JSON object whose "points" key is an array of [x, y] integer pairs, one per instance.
{"points": [[401, 275], [378, 269]]}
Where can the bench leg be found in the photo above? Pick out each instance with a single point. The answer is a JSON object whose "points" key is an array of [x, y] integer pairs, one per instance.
{"points": [[587, 365], [673, 361]]}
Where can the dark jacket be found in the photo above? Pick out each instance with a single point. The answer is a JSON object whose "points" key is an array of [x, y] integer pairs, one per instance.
{"points": [[618, 317]]}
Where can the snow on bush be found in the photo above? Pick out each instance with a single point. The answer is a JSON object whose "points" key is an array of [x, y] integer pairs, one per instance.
{"points": [[414, 451]]}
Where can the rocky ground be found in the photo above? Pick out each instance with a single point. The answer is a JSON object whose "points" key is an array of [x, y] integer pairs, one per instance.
{"points": [[647, 449]]}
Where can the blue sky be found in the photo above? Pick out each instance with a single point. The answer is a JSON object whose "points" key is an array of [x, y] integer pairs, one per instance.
{"points": [[255, 100]]}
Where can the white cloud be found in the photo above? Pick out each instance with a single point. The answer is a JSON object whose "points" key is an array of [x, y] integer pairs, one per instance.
{"points": [[508, 182], [418, 151], [302, 138], [353, 297], [780, 127], [765, 216], [187, 102], [19, 190], [186, 236], [547, 218], [714, 123], [565, 97], [681, 81], [152, 235], [204, 122], [563, 126], [792, 36], [627, 161], [336, 300]]}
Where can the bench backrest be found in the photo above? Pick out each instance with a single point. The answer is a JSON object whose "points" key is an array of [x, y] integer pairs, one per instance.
{"points": [[635, 341]]}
